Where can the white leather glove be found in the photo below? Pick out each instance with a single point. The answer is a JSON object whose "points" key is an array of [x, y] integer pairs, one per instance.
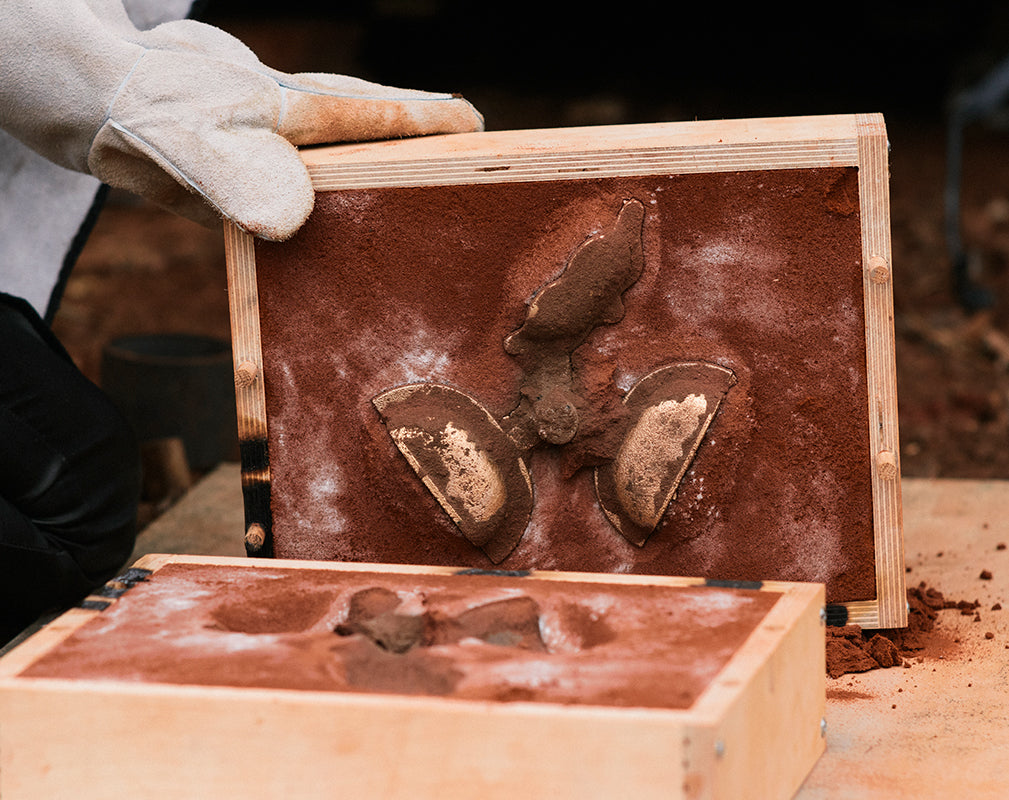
{"points": [[186, 115]]}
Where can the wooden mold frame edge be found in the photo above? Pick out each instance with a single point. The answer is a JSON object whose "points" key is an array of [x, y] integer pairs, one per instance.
{"points": [[890, 608], [250, 394], [729, 742], [783, 143], [784, 703]]}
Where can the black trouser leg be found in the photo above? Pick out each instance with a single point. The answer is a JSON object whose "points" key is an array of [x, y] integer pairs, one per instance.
{"points": [[69, 475]]}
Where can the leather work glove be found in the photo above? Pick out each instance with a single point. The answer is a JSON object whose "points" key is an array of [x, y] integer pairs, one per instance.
{"points": [[186, 115]]}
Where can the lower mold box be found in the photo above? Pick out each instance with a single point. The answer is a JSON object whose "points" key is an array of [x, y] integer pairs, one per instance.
{"points": [[195, 676]]}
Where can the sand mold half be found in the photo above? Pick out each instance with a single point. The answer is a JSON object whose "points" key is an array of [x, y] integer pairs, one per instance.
{"points": [[483, 637]]}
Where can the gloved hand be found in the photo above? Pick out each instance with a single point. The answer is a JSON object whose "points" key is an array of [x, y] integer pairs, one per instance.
{"points": [[186, 115]]}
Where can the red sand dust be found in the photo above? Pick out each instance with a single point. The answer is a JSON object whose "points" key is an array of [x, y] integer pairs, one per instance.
{"points": [[477, 637], [759, 272], [850, 649]]}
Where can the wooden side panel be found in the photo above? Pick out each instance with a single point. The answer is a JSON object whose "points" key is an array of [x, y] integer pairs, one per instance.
{"points": [[590, 153], [250, 395], [246, 345], [767, 734], [825, 140], [156, 742], [874, 193]]}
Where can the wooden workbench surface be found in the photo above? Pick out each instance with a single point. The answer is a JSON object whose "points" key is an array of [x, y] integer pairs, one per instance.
{"points": [[935, 729], [938, 728]]}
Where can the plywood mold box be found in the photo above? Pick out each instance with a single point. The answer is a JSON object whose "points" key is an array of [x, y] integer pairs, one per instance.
{"points": [[215, 677], [651, 349]]}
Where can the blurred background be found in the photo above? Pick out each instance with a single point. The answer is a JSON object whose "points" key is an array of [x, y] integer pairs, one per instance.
{"points": [[541, 64]]}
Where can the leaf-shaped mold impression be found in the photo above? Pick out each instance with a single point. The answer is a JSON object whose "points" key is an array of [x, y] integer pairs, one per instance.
{"points": [[464, 458], [670, 411]]}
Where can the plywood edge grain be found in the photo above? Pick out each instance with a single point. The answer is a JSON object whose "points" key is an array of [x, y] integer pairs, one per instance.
{"points": [[588, 153], [250, 392], [246, 345], [884, 449], [866, 614], [839, 127]]}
